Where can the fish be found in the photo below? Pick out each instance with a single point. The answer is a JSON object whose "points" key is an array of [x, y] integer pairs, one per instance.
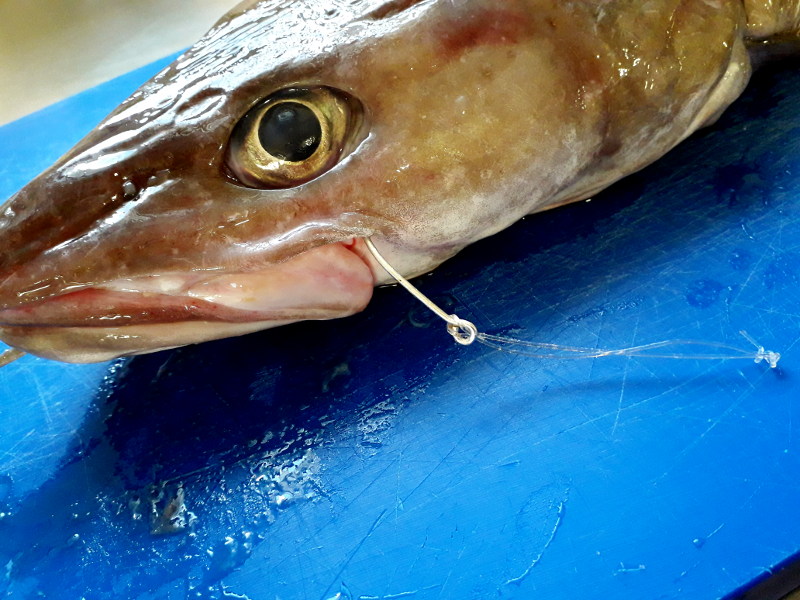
{"points": [[234, 191]]}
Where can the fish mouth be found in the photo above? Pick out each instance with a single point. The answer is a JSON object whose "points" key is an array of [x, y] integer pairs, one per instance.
{"points": [[146, 314]]}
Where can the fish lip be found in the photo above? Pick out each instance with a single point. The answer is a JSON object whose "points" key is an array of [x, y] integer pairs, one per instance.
{"points": [[99, 307], [102, 306]]}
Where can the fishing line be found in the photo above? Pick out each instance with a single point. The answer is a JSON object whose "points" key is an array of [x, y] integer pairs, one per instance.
{"points": [[465, 333]]}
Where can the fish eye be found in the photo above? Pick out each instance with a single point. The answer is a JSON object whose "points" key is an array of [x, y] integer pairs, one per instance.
{"points": [[292, 136]]}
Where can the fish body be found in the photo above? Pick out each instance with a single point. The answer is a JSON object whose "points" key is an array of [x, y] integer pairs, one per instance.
{"points": [[194, 212]]}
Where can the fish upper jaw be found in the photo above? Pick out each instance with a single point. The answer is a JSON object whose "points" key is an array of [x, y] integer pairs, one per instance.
{"points": [[135, 316]]}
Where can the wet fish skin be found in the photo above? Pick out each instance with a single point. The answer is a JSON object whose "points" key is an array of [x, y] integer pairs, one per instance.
{"points": [[475, 113]]}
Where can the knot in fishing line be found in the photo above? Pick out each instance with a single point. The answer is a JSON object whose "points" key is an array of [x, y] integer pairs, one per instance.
{"points": [[464, 332]]}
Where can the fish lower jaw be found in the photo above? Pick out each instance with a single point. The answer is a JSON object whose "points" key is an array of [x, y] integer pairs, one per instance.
{"points": [[136, 316], [98, 344]]}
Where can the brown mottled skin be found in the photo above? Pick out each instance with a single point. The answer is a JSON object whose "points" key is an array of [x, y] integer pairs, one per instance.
{"points": [[475, 113]]}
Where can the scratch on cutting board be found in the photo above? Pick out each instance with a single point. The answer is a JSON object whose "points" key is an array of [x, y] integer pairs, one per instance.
{"points": [[345, 594], [559, 519], [396, 596], [372, 529], [623, 568], [699, 542], [619, 402], [624, 382]]}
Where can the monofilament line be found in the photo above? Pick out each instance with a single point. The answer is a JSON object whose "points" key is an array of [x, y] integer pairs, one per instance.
{"points": [[465, 333], [462, 331]]}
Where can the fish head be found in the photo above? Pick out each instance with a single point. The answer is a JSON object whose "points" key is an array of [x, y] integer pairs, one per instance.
{"points": [[234, 190]]}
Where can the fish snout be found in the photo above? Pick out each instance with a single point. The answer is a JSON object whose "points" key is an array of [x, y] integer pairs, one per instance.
{"points": [[134, 259], [49, 225]]}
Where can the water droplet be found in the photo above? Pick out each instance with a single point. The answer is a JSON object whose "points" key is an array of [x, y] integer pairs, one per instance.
{"points": [[129, 190]]}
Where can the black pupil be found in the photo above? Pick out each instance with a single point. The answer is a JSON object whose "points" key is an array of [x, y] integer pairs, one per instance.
{"points": [[290, 131]]}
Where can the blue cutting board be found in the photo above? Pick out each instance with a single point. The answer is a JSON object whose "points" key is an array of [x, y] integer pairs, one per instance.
{"points": [[372, 458]]}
